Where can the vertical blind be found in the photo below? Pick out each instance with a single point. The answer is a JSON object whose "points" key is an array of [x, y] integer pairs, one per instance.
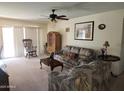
{"points": [[19, 34], [32, 33]]}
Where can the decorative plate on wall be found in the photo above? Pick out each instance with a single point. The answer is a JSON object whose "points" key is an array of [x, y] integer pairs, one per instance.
{"points": [[102, 26]]}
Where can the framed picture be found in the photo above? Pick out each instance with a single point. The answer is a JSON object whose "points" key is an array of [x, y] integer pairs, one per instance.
{"points": [[84, 31]]}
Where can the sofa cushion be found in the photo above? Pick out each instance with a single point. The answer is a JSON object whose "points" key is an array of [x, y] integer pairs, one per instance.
{"points": [[66, 56], [75, 50], [66, 49], [59, 58], [83, 57], [73, 56], [86, 55], [86, 52], [70, 56], [84, 61]]}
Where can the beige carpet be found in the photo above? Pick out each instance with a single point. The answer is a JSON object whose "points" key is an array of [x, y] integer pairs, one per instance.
{"points": [[117, 83], [26, 75]]}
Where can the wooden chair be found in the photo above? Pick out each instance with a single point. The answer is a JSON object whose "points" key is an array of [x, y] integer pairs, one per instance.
{"points": [[30, 49]]}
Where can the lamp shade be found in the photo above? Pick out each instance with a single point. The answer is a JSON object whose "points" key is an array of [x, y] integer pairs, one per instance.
{"points": [[106, 44]]}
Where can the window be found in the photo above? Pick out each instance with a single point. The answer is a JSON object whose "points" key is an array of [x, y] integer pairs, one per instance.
{"points": [[8, 42]]}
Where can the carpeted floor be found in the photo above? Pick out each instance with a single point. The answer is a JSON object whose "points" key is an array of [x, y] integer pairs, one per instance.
{"points": [[26, 75], [117, 83]]}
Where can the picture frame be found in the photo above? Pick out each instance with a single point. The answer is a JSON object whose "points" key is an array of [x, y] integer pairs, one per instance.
{"points": [[84, 31]]}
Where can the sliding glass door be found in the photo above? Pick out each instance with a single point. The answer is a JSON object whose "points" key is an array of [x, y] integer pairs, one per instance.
{"points": [[12, 40], [8, 42]]}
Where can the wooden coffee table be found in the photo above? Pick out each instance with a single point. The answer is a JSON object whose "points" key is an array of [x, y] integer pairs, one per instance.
{"points": [[51, 62]]}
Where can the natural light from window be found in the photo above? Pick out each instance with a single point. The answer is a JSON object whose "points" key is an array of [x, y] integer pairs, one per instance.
{"points": [[8, 42]]}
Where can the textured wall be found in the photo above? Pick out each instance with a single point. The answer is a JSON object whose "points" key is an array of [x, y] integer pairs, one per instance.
{"points": [[112, 33]]}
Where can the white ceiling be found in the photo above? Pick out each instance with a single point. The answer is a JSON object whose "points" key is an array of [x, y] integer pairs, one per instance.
{"points": [[39, 11]]}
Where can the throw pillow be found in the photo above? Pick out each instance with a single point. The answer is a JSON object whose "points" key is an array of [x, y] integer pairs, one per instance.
{"points": [[84, 58], [66, 54], [73, 56]]}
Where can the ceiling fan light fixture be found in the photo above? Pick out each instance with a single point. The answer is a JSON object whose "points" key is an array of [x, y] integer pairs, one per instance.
{"points": [[53, 20], [54, 16]]}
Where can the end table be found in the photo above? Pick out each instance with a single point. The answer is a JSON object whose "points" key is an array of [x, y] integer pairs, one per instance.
{"points": [[109, 58]]}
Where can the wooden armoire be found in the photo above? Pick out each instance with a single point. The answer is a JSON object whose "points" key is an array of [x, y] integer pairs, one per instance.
{"points": [[53, 42]]}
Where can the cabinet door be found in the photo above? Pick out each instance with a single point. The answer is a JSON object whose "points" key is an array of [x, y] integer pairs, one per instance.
{"points": [[49, 39], [54, 42], [58, 42]]}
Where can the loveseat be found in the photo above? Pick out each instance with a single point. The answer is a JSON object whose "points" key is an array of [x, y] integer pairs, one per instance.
{"points": [[85, 71]]}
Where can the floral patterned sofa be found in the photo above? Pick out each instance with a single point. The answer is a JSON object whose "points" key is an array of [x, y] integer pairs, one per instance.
{"points": [[72, 56], [92, 77], [85, 72]]}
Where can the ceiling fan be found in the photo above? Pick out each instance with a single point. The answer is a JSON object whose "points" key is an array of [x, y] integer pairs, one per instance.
{"points": [[53, 16]]}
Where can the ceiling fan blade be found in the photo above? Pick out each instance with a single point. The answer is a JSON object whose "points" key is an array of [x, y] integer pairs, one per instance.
{"points": [[62, 18], [53, 16]]}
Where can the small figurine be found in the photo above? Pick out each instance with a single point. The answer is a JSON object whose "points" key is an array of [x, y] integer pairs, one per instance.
{"points": [[106, 44], [104, 52]]}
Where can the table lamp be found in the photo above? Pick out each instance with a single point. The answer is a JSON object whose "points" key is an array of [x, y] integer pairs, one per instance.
{"points": [[106, 44]]}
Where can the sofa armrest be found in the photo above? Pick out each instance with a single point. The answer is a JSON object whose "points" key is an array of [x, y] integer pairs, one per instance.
{"points": [[70, 81], [54, 80], [100, 72], [85, 63], [78, 79]]}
